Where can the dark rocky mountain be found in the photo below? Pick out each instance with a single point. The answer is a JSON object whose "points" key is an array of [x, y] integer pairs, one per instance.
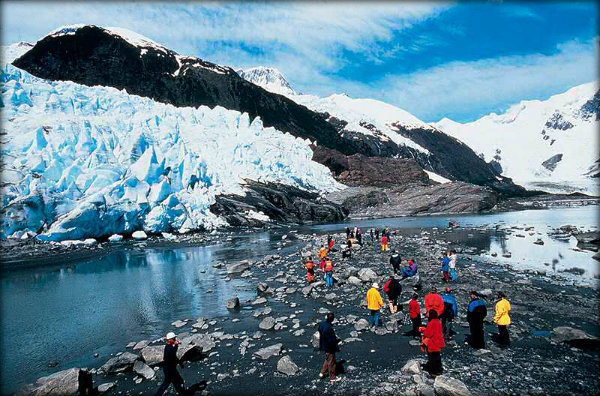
{"points": [[283, 204], [92, 55]]}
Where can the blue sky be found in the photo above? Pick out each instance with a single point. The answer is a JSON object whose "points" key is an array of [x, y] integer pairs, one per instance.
{"points": [[456, 60]]}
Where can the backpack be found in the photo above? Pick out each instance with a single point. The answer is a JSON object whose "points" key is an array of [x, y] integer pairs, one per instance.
{"points": [[386, 287]]}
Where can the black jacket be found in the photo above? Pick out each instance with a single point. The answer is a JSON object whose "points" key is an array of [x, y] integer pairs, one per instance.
{"points": [[395, 260], [328, 341], [395, 289], [170, 357]]}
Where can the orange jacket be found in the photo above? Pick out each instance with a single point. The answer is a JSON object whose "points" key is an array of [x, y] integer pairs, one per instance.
{"points": [[322, 253], [328, 266], [310, 264]]}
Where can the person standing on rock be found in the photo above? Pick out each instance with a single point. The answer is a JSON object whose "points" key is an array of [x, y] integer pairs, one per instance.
{"points": [[415, 314], [450, 312], [433, 342], [446, 267], [172, 376], [385, 243], [476, 313], [502, 319], [359, 237], [395, 261], [433, 300], [329, 273], [310, 268], [374, 305], [393, 289], [328, 343], [452, 265]]}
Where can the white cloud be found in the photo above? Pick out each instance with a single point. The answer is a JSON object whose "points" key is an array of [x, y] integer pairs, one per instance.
{"points": [[462, 89]]}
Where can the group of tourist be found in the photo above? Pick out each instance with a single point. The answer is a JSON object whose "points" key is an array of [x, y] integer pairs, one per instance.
{"points": [[440, 310]]}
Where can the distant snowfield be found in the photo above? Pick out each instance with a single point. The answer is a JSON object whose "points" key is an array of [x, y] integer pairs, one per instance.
{"points": [[92, 161], [555, 132]]}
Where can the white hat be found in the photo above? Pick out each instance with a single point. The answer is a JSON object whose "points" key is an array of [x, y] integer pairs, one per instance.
{"points": [[170, 335], [376, 285]]}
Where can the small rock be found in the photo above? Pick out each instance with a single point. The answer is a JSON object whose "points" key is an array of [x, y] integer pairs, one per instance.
{"points": [[233, 303], [413, 366], [143, 369], [448, 386], [361, 324], [102, 388], [267, 323], [286, 366], [268, 352]]}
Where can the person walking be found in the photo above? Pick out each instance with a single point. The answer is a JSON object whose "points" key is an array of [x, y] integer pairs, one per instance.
{"points": [[372, 234], [347, 232], [415, 314], [411, 270], [433, 300], [450, 312], [502, 319], [377, 234], [374, 304], [433, 342], [446, 267], [359, 237], [395, 261], [393, 289], [172, 376], [329, 273], [328, 343], [330, 244], [322, 257], [476, 313], [384, 243], [452, 265], [310, 269]]}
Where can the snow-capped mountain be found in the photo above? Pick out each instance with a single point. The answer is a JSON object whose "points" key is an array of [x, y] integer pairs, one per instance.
{"points": [[80, 161], [269, 78], [547, 145]]}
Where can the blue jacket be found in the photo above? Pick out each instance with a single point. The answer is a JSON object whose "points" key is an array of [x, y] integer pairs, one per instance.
{"points": [[328, 341], [477, 311], [446, 264], [450, 299]]}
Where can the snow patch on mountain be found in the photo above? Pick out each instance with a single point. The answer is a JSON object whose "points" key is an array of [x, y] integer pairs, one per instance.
{"points": [[268, 78], [550, 145], [81, 161]]}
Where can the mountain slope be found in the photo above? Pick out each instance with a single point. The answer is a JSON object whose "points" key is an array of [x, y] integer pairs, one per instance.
{"points": [[550, 145], [113, 57], [394, 132], [80, 162]]}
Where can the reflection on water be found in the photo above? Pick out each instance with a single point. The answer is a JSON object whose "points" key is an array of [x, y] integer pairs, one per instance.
{"points": [[68, 312]]}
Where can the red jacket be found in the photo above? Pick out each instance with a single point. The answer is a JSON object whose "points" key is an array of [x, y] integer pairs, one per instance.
{"points": [[331, 244], [433, 336], [384, 240], [415, 308], [434, 301]]}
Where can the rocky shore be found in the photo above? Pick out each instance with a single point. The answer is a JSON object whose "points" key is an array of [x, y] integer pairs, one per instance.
{"points": [[267, 345]]}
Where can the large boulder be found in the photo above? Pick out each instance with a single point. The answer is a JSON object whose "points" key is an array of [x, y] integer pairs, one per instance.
{"points": [[143, 369], [238, 268], [353, 280], [139, 235], [413, 366], [286, 366], [268, 352], [153, 355], [267, 323], [361, 324], [58, 384], [194, 347], [575, 337], [367, 275], [117, 364], [233, 303], [448, 386]]}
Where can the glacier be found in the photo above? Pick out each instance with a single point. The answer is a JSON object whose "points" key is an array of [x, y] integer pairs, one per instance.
{"points": [[88, 162]]}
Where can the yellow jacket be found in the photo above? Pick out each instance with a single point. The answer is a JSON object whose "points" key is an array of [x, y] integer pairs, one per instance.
{"points": [[374, 300], [502, 309]]}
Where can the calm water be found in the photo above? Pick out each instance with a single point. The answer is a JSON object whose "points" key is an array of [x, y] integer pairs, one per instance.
{"points": [[68, 313]]}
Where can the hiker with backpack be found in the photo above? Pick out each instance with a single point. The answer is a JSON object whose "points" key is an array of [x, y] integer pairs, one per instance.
{"points": [[310, 269], [329, 272], [395, 261], [393, 289]]}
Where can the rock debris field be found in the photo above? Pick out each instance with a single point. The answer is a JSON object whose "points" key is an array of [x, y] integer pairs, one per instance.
{"points": [[268, 345]]}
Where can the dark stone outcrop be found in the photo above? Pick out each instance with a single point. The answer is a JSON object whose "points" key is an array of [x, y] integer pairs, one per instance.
{"points": [[414, 199], [551, 162], [359, 170], [281, 203], [591, 108]]}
